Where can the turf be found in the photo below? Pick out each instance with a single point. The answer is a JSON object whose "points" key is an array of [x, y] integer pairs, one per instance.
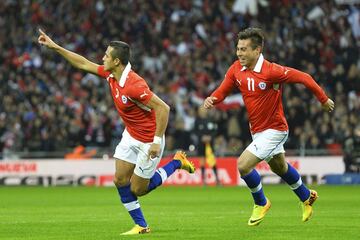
{"points": [[175, 213]]}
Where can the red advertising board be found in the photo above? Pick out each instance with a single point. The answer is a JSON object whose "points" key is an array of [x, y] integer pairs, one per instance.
{"points": [[226, 170], [99, 172]]}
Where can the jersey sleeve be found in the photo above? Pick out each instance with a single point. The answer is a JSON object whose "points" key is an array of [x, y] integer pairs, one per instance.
{"points": [[282, 74], [140, 92], [226, 86], [101, 72]]}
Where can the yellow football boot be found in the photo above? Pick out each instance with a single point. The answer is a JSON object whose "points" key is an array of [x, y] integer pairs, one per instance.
{"points": [[185, 163], [137, 230], [259, 213], [307, 206]]}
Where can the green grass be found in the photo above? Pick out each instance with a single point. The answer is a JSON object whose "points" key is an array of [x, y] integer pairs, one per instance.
{"points": [[175, 213]]}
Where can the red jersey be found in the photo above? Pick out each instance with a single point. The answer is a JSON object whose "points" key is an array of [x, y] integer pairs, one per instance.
{"points": [[261, 89], [130, 95]]}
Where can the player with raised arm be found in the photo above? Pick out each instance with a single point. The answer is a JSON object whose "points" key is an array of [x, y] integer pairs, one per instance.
{"points": [[145, 117], [260, 83]]}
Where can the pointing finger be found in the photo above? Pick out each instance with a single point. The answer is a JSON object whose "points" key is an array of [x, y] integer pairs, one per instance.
{"points": [[42, 32]]}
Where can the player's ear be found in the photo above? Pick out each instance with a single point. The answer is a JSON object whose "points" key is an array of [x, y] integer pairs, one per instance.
{"points": [[117, 61]]}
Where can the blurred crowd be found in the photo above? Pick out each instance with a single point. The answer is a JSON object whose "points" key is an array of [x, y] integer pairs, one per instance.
{"points": [[182, 49]]}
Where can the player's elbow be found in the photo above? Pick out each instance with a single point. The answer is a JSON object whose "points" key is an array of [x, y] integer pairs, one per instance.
{"points": [[307, 78], [162, 110], [79, 65], [85, 67], [165, 108]]}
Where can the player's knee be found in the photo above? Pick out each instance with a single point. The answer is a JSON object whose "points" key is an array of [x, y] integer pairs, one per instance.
{"points": [[121, 181], [138, 190], [280, 169], [243, 167]]}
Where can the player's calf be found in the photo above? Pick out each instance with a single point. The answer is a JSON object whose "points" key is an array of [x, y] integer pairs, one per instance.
{"points": [[139, 185], [139, 190]]}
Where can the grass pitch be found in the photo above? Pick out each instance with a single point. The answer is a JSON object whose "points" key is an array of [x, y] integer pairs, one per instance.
{"points": [[175, 213]]}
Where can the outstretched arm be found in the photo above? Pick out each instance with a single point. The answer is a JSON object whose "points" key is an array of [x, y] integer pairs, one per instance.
{"points": [[75, 59], [290, 75], [222, 91]]}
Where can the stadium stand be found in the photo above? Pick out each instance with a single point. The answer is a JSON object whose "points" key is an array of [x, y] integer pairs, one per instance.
{"points": [[182, 49]]}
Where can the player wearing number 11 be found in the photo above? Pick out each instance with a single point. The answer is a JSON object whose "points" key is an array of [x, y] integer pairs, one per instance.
{"points": [[260, 83]]}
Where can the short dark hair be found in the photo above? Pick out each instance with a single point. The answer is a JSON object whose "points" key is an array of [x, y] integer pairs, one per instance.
{"points": [[121, 50], [256, 35]]}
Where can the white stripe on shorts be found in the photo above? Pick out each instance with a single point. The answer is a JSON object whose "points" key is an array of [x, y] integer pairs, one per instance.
{"points": [[132, 205]]}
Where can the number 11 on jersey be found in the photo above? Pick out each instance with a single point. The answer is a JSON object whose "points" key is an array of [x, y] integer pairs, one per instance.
{"points": [[251, 84]]}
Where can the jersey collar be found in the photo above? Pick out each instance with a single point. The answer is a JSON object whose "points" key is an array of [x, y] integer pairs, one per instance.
{"points": [[258, 65], [124, 75]]}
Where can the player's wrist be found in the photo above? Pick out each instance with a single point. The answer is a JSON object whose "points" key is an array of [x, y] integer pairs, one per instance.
{"points": [[157, 140]]}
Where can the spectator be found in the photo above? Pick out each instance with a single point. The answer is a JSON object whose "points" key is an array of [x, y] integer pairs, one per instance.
{"points": [[352, 151]]}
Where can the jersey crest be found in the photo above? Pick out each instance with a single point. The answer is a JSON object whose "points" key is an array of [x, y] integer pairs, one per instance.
{"points": [[124, 99], [262, 85]]}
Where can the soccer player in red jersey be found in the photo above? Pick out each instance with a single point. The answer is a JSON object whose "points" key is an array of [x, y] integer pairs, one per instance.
{"points": [[145, 117], [260, 83]]}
